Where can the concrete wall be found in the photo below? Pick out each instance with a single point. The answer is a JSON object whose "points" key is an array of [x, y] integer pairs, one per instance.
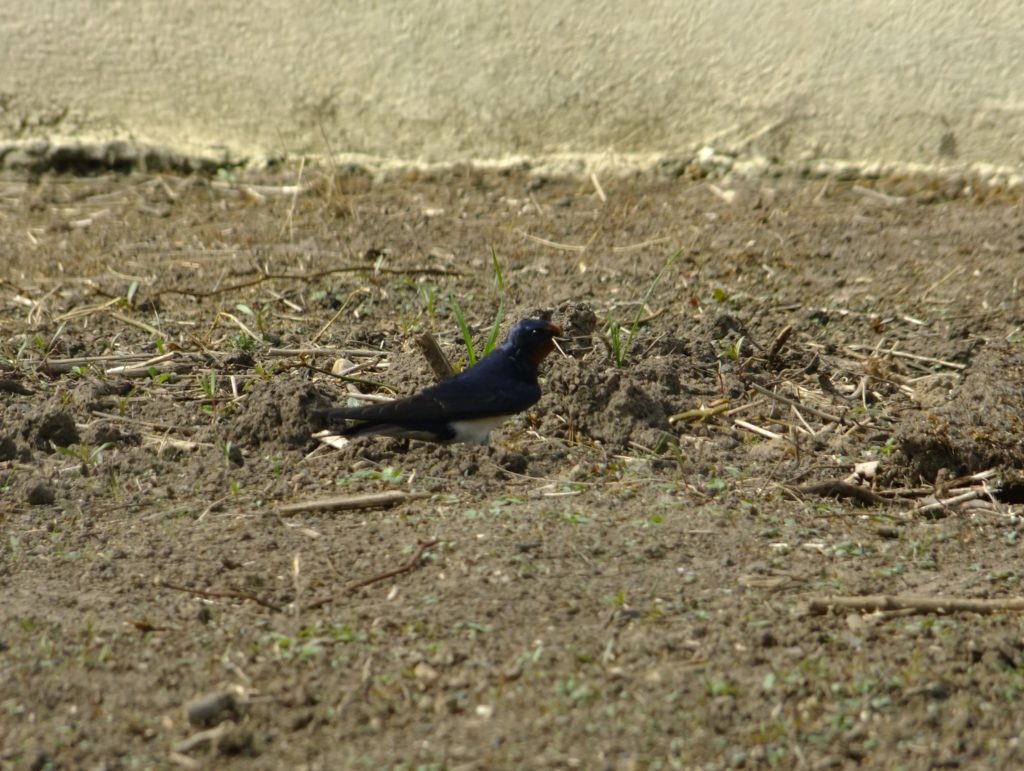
{"points": [[929, 81]]}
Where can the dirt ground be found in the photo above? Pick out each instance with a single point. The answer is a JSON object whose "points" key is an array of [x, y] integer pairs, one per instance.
{"points": [[628, 577]]}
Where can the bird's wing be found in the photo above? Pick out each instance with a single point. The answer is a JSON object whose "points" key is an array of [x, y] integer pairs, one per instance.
{"points": [[459, 398]]}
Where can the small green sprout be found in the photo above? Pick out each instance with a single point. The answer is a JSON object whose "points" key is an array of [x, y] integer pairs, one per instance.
{"points": [[620, 348]]}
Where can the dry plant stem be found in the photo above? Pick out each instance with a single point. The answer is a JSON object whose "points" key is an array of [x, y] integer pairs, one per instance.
{"points": [[354, 352], [240, 324], [804, 423], [350, 502], [178, 444], [904, 355], [290, 222], [939, 605], [699, 413], [87, 310], [377, 398], [144, 423], [405, 567], [794, 403], [877, 195], [135, 323], [953, 272], [151, 362], [362, 366], [435, 357], [337, 314], [757, 429], [779, 341], [837, 489], [62, 366], [281, 190], [309, 277], [197, 740], [229, 594], [347, 378], [946, 503], [137, 372], [553, 244], [641, 245]]}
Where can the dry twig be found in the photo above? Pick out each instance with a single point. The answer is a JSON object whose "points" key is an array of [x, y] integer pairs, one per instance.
{"points": [[837, 489], [435, 356], [757, 429], [700, 413], [794, 403], [309, 277], [347, 502], [946, 503], [938, 605], [405, 567], [188, 430], [904, 355], [227, 594], [553, 244], [779, 341]]}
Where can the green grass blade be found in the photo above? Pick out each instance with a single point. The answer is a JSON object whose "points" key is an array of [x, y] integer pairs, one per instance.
{"points": [[499, 277], [499, 281], [615, 332], [467, 336], [492, 338], [647, 297]]}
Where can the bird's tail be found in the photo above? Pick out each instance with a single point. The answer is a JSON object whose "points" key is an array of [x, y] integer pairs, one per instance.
{"points": [[334, 419], [331, 414]]}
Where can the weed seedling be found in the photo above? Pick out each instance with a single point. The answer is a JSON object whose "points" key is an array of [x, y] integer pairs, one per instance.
{"points": [[499, 283], [242, 342], [467, 336], [85, 454], [492, 337], [208, 385], [429, 292], [158, 377], [620, 347]]}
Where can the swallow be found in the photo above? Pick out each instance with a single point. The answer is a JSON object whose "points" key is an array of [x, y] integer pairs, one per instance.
{"points": [[469, 405]]}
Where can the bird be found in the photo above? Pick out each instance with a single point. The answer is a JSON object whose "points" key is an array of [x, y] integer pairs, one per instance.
{"points": [[469, 405]]}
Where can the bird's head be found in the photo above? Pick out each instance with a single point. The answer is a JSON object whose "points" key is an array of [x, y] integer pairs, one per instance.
{"points": [[532, 339]]}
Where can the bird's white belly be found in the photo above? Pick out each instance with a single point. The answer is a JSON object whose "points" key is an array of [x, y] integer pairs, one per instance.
{"points": [[477, 431]]}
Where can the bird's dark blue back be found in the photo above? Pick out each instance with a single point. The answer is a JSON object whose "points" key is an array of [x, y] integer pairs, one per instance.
{"points": [[502, 383]]}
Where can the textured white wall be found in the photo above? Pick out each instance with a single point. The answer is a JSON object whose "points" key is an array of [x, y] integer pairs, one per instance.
{"points": [[933, 81]]}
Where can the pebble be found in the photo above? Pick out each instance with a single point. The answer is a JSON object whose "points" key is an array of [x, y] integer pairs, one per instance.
{"points": [[8, 448], [209, 710], [58, 428], [40, 493]]}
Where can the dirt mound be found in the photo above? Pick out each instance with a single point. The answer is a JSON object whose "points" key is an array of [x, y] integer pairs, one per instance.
{"points": [[981, 425], [613, 406], [276, 411], [628, 406], [48, 426]]}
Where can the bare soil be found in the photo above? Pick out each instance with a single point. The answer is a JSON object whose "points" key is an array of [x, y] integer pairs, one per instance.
{"points": [[621, 580]]}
